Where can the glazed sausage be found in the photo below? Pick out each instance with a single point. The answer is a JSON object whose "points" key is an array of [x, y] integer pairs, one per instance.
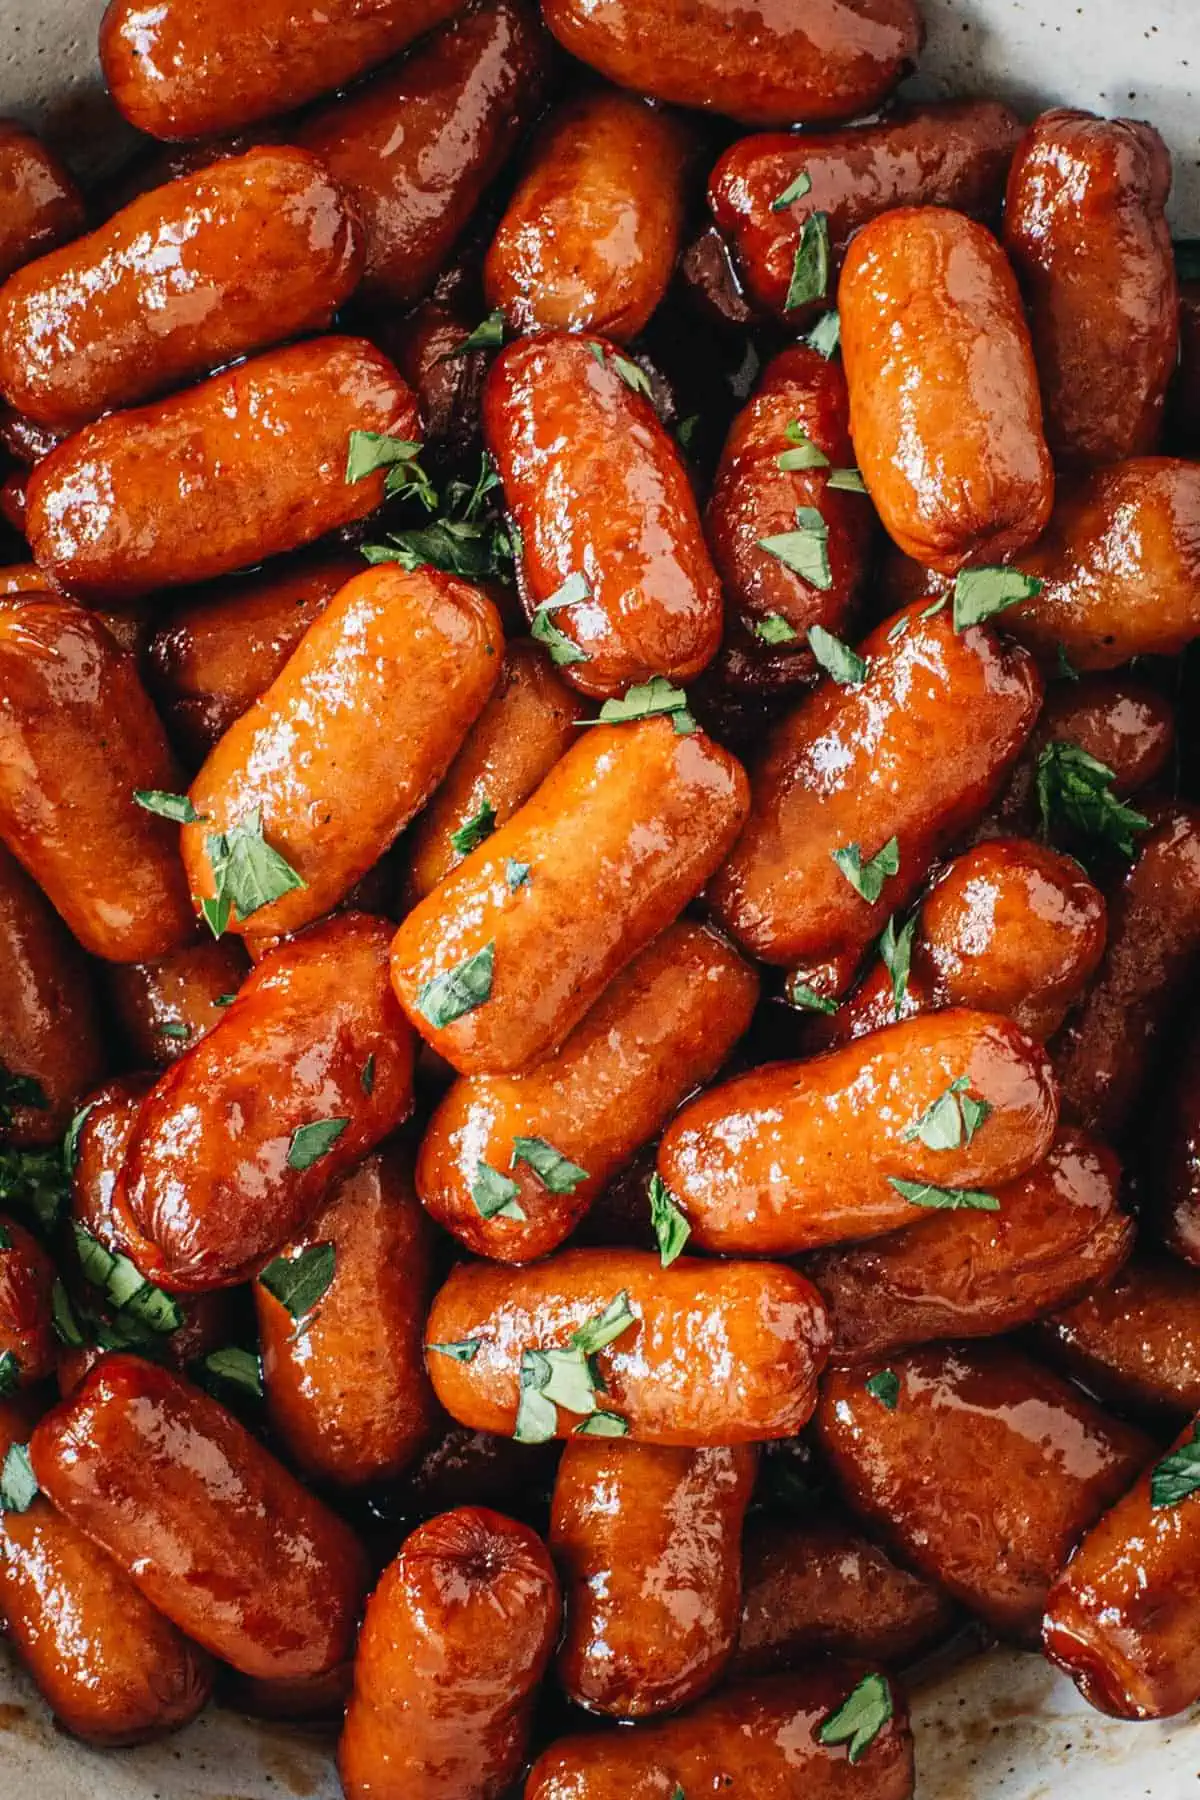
{"points": [[914, 751], [183, 73], [755, 500], [77, 736], [795, 1155], [224, 1167], [1009, 927], [774, 67], [1059, 1230], [264, 446], [722, 1353], [50, 1034], [759, 1739], [112, 1670], [215, 651], [28, 1346], [648, 1544], [984, 1472], [209, 268], [39, 203], [590, 237], [25, 440], [622, 833], [949, 153], [944, 405], [417, 146], [308, 1700], [598, 492], [822, 1589], [662, 1029], [209, 1527], [1178, 1186], [350, 1399], [1122, 1617], [1104, 1054], [164, 1008], [352, 736], [1134, 1340], [428, 347], [478, 1468], [1119, 564], [1084, 224], [456, 1639]]}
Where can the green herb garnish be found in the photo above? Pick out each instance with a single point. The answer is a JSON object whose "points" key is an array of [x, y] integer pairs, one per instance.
{"points": [[460, 990], [867, 878]]}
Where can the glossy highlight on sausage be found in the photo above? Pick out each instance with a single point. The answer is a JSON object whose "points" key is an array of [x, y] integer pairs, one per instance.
{"points": [[163, 1008], [40, 205], [1134, 1340]]}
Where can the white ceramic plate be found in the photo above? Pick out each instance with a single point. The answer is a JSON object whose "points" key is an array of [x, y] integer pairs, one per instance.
{"points": [[1004, 1727]]}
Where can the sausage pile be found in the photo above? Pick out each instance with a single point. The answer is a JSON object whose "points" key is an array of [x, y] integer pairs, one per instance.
{"points": [[599, 896]]}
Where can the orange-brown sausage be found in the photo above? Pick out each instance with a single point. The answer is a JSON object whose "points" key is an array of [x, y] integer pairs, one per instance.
{"points": [[822, 1589], [349, 1398], [163, 1008], [213, 1531], [914, 751], [352, 736], [944, 404], [754, 499], [1123, 1618], [265, 448], [1084, 228], [211, 267], [776, 66], [25, 440], [984, 1471], [648, 1544], [598, 493], [28, 1346], [721, 1353], [456, 1639], [619, 837], [949, 153], [795, 1155], [77, 736], [478, 1468], [39, 203], [1134, 1340], [50, 1036], [417, 146], [662, 1029], [591, 235], [224, 1166], [427, 345], [1059, 1230], [179, 72], [760, 1739]]}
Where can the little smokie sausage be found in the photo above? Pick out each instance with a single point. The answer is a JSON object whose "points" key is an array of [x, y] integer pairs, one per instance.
{"points": [[847, 1145], [950, 153], [416, 147], [1134, 1340], [774, 67], [112, 1670], [478, 1468], [237, 1144], [756, 500], [264, 446], [981, 1468], [349, 1397], [1123, 1618], [352, 736], [51, 1047], [716, 1353], [211, 267], [213, 1531], [603, 508], [164, 1008], [762, 1739], [648, 1543], [913, 752], [498, 964], [1085, 231], [944, 405], [28, 1346], [215, 651], [822, 1589], [1178, 1184], [590, 237], [182, 73], [78, 735], [555, 1136], [1105, 1053], [40, 205], [1058, 1230]]}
